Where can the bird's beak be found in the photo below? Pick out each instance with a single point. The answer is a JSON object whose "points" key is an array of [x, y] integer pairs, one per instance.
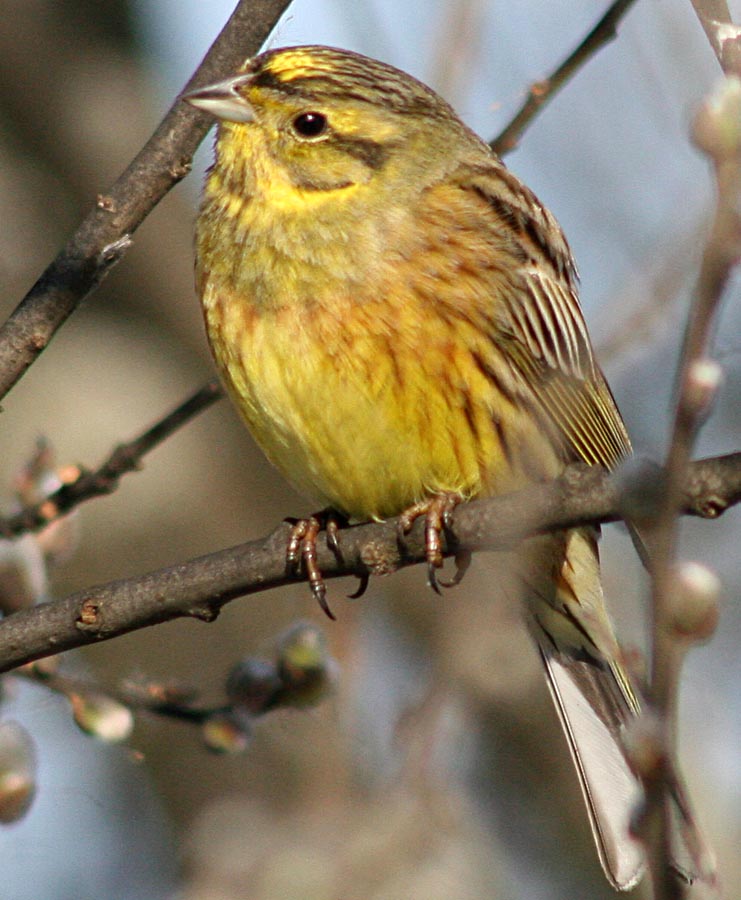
{"points": [[223, 99]]}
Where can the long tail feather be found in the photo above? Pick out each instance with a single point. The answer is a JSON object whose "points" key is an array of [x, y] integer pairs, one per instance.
{"points": [[595, 702], [591, 713]]}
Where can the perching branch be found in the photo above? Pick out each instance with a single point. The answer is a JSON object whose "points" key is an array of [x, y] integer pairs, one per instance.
{"points": [[542, 92], [125, 458], [200, 587], [105, 234]]}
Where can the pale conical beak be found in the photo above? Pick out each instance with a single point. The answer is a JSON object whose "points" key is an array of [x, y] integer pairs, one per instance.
{"points": [[223, 100]]}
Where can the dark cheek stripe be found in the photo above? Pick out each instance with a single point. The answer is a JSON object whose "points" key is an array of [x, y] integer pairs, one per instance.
{"points": [[373, 154]]}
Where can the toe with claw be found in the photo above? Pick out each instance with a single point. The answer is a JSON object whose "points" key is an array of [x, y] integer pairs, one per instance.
{"points": [[301, 550], [438, 515]]}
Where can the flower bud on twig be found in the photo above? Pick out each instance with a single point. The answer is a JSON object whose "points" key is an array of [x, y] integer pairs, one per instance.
{"points": [[226, 733], [17, 772], [101, 717], [694, 610], [252, 685], [704, 377], [717, 125], [643, 740], [306, 669]]}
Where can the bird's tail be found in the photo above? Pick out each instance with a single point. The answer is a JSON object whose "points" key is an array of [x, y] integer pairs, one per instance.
{"points": [[592, 693], [591, 711]]}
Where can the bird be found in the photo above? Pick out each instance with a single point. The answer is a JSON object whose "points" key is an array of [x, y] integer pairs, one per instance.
{"points": [[395, 316]]}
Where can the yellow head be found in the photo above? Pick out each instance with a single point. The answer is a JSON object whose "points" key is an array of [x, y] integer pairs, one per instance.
{"points": [[320, 119]]}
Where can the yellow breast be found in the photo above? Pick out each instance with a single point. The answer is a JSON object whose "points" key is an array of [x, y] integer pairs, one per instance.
{"points": [[369, 388]]}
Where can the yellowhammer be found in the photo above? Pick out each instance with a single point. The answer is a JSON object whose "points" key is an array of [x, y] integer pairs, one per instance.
{"points": [[396, 318]]}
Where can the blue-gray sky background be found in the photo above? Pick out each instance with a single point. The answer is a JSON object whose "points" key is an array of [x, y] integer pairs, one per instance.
{"points": [[612, 159]]}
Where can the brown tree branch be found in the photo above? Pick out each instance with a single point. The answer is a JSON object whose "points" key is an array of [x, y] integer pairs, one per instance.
{"points": [[542, 92], [104, 480], [723, 34], [200, 587], [105, 234]]}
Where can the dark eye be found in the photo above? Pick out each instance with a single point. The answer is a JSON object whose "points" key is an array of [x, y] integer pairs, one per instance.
{"points": [[310, 124]]}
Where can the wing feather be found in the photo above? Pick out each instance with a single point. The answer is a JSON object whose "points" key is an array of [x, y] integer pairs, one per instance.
{"points": [[540, 328]]}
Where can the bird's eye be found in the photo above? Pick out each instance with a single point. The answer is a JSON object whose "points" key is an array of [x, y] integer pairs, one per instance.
{"points": [[310, 124]]}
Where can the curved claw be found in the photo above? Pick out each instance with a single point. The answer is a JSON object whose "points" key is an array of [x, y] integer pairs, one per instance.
{"points": [[332, 527], [363, 581], [301, 548], [462, 564], [432, 578], [319, 593], [438, 513]]}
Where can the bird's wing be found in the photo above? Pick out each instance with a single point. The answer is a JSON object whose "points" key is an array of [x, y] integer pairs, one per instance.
{"points": [[540, 327]]}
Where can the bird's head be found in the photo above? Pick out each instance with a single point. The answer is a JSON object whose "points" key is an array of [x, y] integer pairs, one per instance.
{"points": [[322, 119]]}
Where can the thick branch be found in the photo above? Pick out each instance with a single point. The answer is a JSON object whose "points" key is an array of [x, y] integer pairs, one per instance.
{"points": [[200, 587], [104, 235]]}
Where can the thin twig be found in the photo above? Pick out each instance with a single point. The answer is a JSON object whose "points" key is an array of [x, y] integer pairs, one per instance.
{"points": [[723, 34], [104, 480], [172, 702], [542, 92], [105, 234], [717, 131], [301, 673], [200, 587]]}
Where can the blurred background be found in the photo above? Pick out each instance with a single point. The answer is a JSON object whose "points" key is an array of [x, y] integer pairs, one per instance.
{"points": [[437, 770]]}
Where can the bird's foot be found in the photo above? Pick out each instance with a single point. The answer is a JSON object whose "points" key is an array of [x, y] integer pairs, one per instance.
{"points": [[438, 515], [301, 549]]}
